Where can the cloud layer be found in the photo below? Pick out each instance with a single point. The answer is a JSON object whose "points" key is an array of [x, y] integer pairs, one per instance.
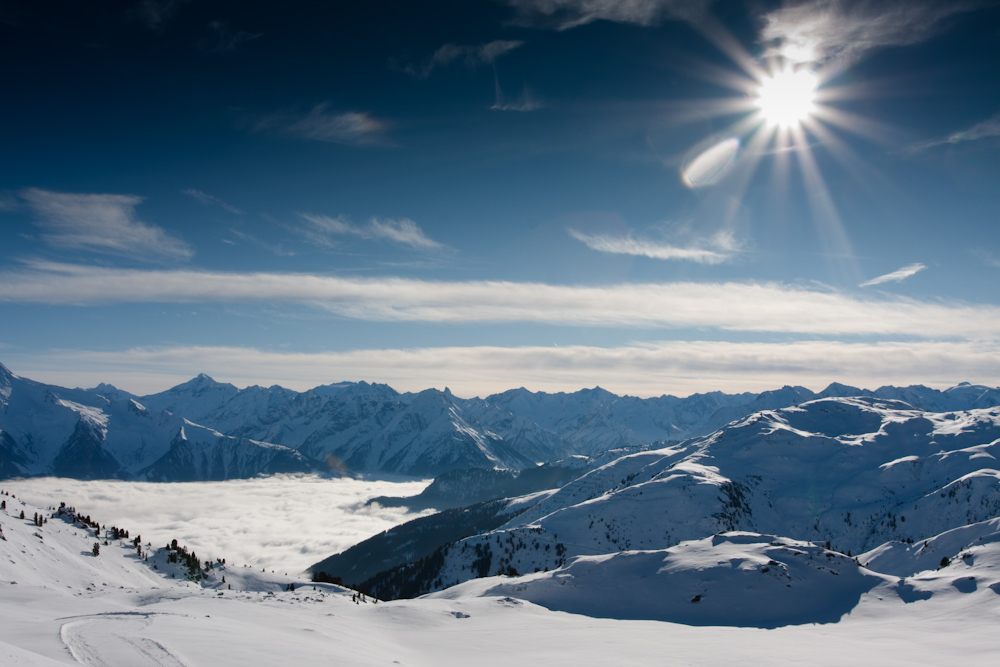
{"points": [[101, 223], [759, 307], [298, 520]]}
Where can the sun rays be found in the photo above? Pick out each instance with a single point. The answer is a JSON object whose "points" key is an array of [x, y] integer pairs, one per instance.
{"points": [[783, 111]]}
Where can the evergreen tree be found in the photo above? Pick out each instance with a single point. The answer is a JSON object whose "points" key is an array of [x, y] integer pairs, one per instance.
{"points": [[96, 549]]}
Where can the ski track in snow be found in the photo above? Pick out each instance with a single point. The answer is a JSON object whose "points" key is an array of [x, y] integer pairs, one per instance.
{"points": [[107, 640]]}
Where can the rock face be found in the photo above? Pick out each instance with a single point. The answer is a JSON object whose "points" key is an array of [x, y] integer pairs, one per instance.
{"points": [[203, 429]]}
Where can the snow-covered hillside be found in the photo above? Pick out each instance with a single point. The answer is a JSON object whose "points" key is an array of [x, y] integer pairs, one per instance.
{"points": [[62, 605], [849, 472]]}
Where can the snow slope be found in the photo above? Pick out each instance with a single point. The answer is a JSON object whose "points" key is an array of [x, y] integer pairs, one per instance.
{"points": [[60, 605], [851, 472]]}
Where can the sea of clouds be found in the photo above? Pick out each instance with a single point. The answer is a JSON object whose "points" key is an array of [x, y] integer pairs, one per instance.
{"points": [[283, 523]]}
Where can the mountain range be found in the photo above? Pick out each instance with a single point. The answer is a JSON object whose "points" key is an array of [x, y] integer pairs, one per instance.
{"points": [[857, 475], [207, 430]]}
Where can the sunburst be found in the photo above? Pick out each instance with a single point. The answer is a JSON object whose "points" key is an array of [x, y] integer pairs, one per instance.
{"points": [[782, 109]]}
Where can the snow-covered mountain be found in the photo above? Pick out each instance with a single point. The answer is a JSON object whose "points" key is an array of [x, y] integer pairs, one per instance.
{"points": [[48, 430], [851, 473], [203, 429]]}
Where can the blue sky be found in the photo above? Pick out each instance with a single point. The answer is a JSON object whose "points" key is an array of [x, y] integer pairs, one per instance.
{"points": [[497, 193]]}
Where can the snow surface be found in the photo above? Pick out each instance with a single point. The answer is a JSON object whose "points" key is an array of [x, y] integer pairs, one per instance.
{"points": [[61, 605]]}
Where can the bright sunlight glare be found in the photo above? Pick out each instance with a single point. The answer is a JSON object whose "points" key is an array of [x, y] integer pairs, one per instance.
{"points": [[787, 97]]}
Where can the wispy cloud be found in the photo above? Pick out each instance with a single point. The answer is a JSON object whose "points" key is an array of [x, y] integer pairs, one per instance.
{"points": [[155, 14], [350, 127], [983, 130], [472, 55], [715, 250], [403, 231], [526, 101], [896, 276], [760, 307], [564, 14], [846, 30], [277, 249], [651, 369], [209, 200], [220, 37], [101, 223]]}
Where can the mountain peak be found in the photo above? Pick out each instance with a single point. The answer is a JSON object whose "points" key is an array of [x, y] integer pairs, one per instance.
{"points": [[199, 382], [837, 389]]}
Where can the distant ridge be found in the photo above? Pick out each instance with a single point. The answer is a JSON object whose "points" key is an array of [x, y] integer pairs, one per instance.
{"points": [[203, 429]]}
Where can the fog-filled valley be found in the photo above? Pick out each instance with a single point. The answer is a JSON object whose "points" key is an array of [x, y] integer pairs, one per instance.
{"points": [[285, 522]]}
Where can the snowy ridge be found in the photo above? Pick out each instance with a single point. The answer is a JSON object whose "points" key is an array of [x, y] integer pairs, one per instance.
{"points": [[85, 435], [853, 473], [746, 579], [357, 427]]}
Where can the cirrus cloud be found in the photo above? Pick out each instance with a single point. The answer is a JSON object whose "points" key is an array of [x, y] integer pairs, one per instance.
{"points": [[101, 223], [353, 128], [472, 55], [846, 30], [402, 231], [565, 14], [732, 306], [718, 249], [896, 276]]}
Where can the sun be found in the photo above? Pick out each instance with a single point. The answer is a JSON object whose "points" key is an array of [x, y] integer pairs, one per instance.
{"points": [[787, 98]]}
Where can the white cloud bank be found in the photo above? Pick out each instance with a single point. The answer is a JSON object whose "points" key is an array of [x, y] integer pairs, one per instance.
{"points": [[749, 307], [101, 223], [298, 520], [651, 369], [896, 276]]}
